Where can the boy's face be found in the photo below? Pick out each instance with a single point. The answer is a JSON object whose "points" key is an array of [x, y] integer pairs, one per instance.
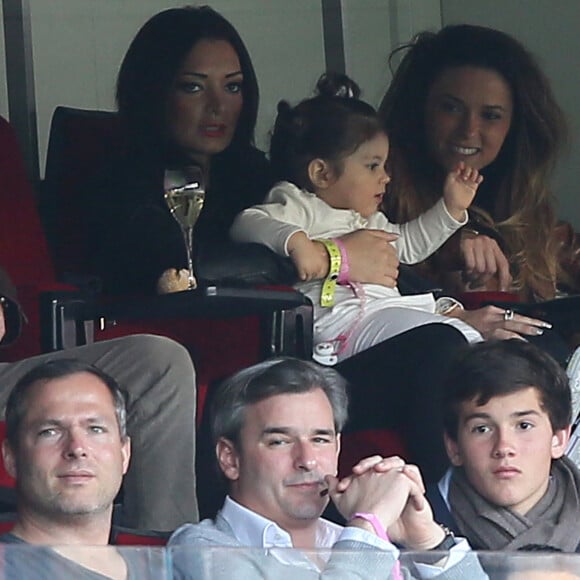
{"points": [[506, 448]]}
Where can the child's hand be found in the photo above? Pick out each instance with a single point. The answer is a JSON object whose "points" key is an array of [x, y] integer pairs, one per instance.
{"points": [[460, 188], [305, 255]]}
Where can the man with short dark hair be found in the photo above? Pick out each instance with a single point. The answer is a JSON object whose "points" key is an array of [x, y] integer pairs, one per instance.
{"points": [[507, 417], [158, 378], [68, 449], [277, 428]]}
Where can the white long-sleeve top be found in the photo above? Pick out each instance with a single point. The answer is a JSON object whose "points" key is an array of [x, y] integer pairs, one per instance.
{"points": [[288, 209]]}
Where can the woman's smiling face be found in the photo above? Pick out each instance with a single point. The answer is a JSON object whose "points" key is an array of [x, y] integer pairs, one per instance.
{"points": [[468, 115]]}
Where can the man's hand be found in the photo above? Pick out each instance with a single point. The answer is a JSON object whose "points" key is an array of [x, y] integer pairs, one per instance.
{"points": [[372, 258], [483, 259], [383, 492], [415, 527], [2, 323]]}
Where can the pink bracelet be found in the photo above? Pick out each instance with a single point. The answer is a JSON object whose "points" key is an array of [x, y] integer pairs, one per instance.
{"points": [[374, 521], [343, 275], [380, 531]]}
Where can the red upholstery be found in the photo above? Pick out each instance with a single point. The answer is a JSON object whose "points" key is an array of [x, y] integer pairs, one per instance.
{"points": [[355, 446], [129, 537], [23, 249]]}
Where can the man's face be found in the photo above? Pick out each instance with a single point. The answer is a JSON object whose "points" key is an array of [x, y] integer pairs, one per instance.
{"points": [[287, 445], [71, 458], [506, 448]]}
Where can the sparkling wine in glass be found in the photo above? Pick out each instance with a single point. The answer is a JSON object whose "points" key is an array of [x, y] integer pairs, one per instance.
{"points": [[184, 195]]}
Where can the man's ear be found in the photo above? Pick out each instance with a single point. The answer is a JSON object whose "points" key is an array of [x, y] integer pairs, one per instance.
{"points": [[126, 453], [320, 174], [560, 440], [453, 451], [9, 459], [228, 458]]}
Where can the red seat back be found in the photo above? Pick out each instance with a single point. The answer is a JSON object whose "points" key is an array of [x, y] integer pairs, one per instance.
{"points": [[23, 249]]}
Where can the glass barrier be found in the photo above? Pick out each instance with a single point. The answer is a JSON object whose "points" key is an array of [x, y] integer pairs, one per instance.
{"points": [[287, 564], [222, 563]]}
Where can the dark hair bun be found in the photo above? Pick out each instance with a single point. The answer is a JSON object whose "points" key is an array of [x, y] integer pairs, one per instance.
{"points": [[333, 84], [284, 107]]}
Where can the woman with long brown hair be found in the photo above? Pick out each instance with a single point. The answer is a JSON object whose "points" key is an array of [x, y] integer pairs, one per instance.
{"points": [[474, 94]]}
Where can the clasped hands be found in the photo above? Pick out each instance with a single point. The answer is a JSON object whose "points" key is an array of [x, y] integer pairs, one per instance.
{"points": [[394, 492]]}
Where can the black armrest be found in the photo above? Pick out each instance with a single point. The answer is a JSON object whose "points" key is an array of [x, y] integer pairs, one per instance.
{"points": [[66, 319], [69, 318]]}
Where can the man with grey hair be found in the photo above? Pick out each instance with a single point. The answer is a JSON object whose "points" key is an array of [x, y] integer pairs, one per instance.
{"points": [[276, 428]]}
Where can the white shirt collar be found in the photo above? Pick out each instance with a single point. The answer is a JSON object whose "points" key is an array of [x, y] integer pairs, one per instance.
{"points": [[252, 529]]}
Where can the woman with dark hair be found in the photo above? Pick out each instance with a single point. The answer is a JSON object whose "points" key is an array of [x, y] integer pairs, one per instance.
{"points": [[474, 94], [151, 71], [187, 94]]}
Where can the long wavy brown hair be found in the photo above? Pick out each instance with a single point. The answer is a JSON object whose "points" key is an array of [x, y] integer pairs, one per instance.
{"points": [[522, 211]]}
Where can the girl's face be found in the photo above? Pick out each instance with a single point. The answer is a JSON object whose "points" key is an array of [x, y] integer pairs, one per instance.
{"points": [[205, 100], [468, 114], [361, 185]]}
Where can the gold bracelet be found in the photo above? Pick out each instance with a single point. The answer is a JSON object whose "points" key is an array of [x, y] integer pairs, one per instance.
{"points": [[329, 284]]}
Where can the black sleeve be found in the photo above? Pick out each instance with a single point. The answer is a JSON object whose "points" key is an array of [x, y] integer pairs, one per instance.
{"points": [[133, 237]]}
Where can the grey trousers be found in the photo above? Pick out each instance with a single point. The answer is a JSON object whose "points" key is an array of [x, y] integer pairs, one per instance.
{"points": [[158, 378]]}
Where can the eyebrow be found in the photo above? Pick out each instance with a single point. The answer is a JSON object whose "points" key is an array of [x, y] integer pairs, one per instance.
{"points": [[205, 76], [59, 423], [514, 415], [458, 100], [290, 431]]}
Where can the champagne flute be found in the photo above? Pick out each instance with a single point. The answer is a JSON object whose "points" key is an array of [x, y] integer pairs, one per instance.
{"points": [[184, 195]]}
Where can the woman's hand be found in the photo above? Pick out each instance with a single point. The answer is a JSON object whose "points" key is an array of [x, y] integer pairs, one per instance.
{"points": [[494, 322], [372, 258], [483, 259]]}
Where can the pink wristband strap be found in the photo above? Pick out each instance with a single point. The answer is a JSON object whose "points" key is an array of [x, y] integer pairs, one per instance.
{"points": [[374, 521]]}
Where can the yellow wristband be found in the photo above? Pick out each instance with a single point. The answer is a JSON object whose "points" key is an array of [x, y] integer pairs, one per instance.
{"points": [[329, 285]]}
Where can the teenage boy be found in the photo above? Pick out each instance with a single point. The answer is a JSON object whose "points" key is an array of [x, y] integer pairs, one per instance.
{"points": [[507, 414]]}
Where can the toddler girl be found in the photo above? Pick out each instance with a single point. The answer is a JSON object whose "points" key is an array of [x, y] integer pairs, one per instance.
{"points": [[330, 153]]}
